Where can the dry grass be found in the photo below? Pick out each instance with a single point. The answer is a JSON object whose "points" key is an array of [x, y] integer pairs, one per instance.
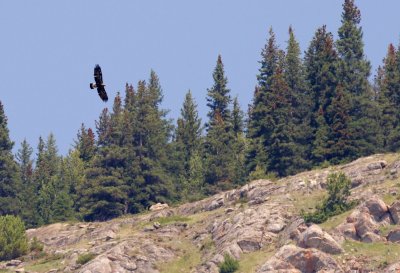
{"points": [[251, 262], [377, 255], [189, 258]]}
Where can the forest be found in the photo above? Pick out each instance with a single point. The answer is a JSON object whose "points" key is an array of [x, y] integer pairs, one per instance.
{"points": [[308, 111]]}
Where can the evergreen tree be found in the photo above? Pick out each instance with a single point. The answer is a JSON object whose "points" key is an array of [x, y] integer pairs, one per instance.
{"points": [[353, 73], [85, 143], [28, 191], [218, 98], [340, 141], [220, 136], [300, 99], [151, 182], [279, 142], [73, 178], [187, 145], [104, 193], [238, 168], [237, 118], [321, 73], [260, 123], [10, 183], [188, 132], [50, 188], [389, 101]]}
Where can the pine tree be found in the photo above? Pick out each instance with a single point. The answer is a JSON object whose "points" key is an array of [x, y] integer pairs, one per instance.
{"points": [[300, 99], [238, 168], [279, 141], [340, 139], [73, 178], [149, 181], [189, 128], [85, 143], [186, 146], [237, 118], [48, 182], [260, 123], [10, 183], [353, 73], [218, 98], [220, 136], [104, 193], [389, 101], [321, 73], [28, 191]]}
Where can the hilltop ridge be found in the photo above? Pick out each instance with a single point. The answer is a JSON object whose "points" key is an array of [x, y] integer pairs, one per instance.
{"points": [[258, 224]]}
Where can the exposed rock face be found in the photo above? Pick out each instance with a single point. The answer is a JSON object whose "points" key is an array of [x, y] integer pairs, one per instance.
{"points": [[395, 212], [314, 237], [158, 206], [254, 218], [364, 222], [293, 258]]}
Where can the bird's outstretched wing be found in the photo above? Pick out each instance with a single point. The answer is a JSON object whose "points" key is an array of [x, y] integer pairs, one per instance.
{"points": [[102, 93], [98, 77]]}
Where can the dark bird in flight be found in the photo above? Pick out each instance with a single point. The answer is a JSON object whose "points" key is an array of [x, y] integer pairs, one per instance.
{"points": [[98, 78]]}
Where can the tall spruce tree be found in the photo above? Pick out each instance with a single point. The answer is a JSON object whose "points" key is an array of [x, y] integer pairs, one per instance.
{"points": [[260, 124], [150, 181], [220, 136], [300, 99], [321, 73], [104, 193], [353, 73], [54, 203], [187, 141], [389, 100], [10, 183], [28, 191], [279, 141], [238, 168], [340, 142]]}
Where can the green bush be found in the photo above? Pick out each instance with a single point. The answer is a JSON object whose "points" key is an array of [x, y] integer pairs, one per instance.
{"points": [[85, 258], [229, 265], [13, 241], [338, 186], [36, 245]]}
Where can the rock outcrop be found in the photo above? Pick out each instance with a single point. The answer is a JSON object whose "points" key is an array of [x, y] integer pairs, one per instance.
{"points": [[261, 218], [296, 259]]}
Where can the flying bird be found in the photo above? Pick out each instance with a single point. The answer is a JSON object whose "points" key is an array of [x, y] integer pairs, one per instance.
{"points": [[98, 78]]}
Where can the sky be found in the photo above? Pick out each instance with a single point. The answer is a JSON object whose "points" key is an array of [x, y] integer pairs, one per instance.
{"points": [[48, 50]]}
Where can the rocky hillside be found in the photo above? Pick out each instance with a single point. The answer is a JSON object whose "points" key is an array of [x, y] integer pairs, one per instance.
{"points": [[258, 224]]}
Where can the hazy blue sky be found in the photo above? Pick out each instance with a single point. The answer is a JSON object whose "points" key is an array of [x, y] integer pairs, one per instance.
{"points": [[48, 50]]}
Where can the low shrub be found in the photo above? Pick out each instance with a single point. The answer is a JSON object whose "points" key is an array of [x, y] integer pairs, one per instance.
{"points": [[85, 258], [229, 265], [338, 186], [13, 240]]}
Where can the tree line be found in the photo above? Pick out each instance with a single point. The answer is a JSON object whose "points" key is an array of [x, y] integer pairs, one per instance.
{"points": [[307, 111]]}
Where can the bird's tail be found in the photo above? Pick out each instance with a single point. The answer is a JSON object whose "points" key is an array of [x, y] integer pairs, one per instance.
{"points": [[92, 86]]}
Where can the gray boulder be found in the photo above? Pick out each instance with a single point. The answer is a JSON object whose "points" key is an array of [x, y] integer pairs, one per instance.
{"points": [[294, 258], [395, 212], [394, 236], [315, 237], [377, 208]]}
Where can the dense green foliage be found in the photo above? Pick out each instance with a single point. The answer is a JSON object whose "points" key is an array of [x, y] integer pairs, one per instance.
{"points": [[13, 241], [307, 111], [229, 265], [338, 186]]}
